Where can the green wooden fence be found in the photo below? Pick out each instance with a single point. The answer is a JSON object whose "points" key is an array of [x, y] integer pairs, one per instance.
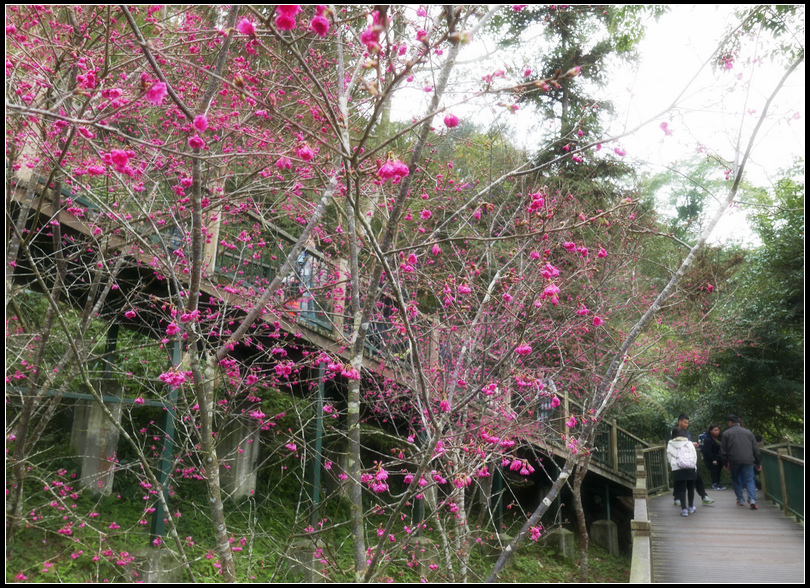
{"points": [[783, 477]]}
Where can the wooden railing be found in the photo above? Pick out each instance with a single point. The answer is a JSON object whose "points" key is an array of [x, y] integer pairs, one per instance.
{"points": [[783, 477], [317, 295], [656, 467]]}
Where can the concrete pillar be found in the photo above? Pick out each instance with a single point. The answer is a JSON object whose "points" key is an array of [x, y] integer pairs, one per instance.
{"points": [[238, 451], [157, 566], [563, 540], [95, 440], [308, 561], [422, 553], [491, 549], [606, 535], [338, 456]]}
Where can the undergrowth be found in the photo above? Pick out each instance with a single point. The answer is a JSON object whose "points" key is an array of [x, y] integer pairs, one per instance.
{"points": [[73, 537]]}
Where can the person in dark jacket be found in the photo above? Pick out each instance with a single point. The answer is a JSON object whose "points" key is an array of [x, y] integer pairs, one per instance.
{"points": [[710, 448], [739, 449]]}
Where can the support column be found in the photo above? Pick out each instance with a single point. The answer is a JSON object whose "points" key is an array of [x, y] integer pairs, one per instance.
{"points": [[238, 446], [94, 438], [158, 526], [317, 454]]}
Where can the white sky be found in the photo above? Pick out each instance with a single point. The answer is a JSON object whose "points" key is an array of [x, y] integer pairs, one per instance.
{"points": [[711, 112], [708, 115]]}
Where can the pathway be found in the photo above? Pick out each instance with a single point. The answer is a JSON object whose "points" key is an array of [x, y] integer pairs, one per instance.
{"points": [[725, 543]]}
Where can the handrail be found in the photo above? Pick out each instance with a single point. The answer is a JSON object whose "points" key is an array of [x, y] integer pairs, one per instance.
{"points": [[783, 478], [641, 571], [657, 468]]}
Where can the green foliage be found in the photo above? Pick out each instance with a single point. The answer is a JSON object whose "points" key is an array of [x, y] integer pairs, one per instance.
{"points": [[782, 26], [649, 415], [683, 191], [761, 375]]}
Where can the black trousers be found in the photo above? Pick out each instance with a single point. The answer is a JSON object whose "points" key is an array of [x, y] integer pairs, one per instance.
{"points": [[715, 471], [684, 488], [701, 490]]}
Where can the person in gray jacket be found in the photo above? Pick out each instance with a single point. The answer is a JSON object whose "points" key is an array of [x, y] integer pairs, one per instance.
{"points": [[739, 449]]}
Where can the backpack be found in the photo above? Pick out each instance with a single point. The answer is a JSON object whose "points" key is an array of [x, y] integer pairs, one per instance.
{"points": [[686, 458]]}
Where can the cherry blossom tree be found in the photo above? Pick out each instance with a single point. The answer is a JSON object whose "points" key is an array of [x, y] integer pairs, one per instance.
{"points": [[229, 183]]}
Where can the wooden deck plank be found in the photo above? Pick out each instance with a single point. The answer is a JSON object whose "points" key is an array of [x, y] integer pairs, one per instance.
{"points": [[724, 542]]}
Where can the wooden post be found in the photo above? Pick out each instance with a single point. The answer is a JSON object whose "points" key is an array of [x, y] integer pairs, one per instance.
{"points": [[433, 361], [614, 446], [566, 409], [779, 454], [641, 527], [339, 305], [213, 222]]}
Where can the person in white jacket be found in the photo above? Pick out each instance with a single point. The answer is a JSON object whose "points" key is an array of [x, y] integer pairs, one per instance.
{"points": [[683, 461]]}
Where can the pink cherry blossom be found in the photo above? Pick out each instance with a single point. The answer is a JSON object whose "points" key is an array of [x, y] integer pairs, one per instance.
{"points": [[602, 252], [156, 93], [549, 271], [246, 27], [289, 9], [597, 321], [523, 350], [305, 152], [196, 142], [200, 123], [320, 25], [551, 291], [571, 423], [119, 158], [173, 378], [450, 120], [555, 402], [371, 39], [425, 214], [285, 22]]}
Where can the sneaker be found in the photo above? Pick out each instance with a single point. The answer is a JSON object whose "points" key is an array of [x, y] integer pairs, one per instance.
{"points": [[677, 502], [754, 506], [740, 503], [684, 513], [718, 487], [707, 500], [692, 509]]}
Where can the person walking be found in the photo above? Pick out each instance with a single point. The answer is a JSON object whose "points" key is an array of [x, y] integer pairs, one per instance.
{"points": [[682, 458], [740, 451], [709, 443], [682, 430]]}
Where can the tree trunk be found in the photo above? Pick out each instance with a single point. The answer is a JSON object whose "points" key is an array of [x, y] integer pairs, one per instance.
{"points": [[584, 539]]}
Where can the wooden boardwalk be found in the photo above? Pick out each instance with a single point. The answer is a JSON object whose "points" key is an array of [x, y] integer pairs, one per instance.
{"points": [[725, 543]]}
